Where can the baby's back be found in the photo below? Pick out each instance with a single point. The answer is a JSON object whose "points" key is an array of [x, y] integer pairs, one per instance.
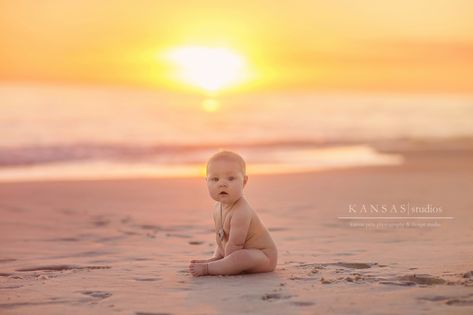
{"points": [[258, 236]]}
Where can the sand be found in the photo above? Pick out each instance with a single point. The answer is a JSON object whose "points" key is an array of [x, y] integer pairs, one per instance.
{"points": [[123, 246]]}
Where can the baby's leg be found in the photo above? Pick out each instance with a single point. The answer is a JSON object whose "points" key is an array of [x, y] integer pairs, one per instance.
{"points": [[238, 261], [235, 263]]}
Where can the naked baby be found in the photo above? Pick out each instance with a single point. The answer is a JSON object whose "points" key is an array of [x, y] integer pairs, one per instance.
{"points": [[243, 242]]}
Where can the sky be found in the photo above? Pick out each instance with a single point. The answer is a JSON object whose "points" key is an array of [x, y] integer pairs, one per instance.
{"points": [[368, 45]]}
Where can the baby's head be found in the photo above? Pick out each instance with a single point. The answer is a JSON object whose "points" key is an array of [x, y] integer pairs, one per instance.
{"points": [[226, 176]]}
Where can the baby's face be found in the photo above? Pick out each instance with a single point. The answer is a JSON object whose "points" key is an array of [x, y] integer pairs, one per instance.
{"points": [[225, 180]]}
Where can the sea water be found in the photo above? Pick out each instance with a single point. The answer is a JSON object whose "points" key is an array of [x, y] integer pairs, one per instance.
{"points": [[61, 132]]}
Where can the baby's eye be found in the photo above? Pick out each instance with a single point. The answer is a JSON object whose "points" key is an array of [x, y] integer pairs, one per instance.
{"points": [[231, 178], [214, 179]]}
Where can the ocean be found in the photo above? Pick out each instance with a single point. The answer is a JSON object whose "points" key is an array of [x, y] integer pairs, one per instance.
{"points": [[91, 132]]}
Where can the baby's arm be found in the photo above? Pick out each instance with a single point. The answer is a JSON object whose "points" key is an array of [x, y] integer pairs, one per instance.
{"points": [[218, 253], [239, 226], [216, 256]]}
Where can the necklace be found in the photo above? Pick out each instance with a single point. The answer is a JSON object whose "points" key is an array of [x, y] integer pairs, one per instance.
{"points": [[221, 232]]}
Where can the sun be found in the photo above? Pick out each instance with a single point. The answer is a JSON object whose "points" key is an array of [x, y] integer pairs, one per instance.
{"points": [[209, 68]]}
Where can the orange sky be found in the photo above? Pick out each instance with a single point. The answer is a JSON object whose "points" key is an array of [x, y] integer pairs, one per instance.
{"points": [[422, 45]]}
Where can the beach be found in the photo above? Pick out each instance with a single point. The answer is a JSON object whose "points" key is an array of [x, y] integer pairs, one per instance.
{"points": [[353, 119], [124, 246]]}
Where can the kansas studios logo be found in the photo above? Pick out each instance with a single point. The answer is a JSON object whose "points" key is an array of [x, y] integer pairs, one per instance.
{"points": [[404, 215], [393, 209]]}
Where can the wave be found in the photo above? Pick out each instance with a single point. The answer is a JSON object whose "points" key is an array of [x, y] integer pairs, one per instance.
{"points": [[167, 154]]}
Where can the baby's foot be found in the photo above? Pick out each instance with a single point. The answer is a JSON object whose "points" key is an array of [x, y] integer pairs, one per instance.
{"points": [[198, 269]]}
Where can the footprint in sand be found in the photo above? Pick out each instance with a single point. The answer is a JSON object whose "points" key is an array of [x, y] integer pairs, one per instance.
{"points": [[97, 294], [178, 235], [28, 304], [147, 313], [147, 279], [302, 303], [99, 222], [422, 279], [351, 265], [348, 265], [152, 227], [450, 300], [64, 239], [326, 281], [126, 220], [9, 287], [349, 279], [67, 211], [275, 296], [301, 278], [400, 283], [459, 302], [196, 242], [61, 268], [414, 279]]}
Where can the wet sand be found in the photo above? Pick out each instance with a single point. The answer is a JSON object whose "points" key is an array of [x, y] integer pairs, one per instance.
{"points": [[123, 246]]}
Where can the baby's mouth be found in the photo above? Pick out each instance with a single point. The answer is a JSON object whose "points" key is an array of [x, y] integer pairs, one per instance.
{"points": [[223, 193]]}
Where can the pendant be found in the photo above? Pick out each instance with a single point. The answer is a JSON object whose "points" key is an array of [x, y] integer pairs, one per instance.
{"points": [[221, 234]]}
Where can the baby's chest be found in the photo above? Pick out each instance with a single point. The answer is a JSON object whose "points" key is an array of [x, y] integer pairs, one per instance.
{"points": [[222, 234]]}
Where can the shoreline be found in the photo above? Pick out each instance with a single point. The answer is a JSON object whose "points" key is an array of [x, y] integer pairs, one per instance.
{"points": [[324, 156]]}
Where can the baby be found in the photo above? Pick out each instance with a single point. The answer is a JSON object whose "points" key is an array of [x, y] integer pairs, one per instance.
{"points": [[243, 242]]}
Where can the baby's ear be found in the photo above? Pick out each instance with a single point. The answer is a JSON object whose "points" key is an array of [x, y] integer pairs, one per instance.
{"points": [[245, 179]]}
